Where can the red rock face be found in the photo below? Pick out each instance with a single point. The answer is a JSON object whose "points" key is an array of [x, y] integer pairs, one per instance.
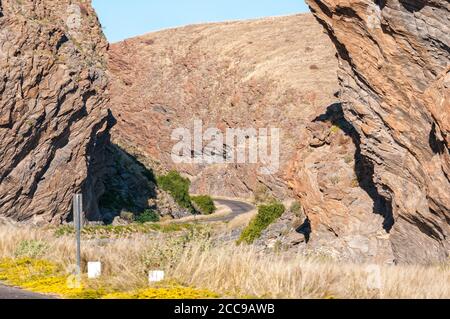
{"points": [[52, 106], [394, 73]]}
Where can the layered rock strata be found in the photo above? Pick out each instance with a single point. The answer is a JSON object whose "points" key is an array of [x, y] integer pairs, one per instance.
{"points": [[394, 73], [53, 107]]}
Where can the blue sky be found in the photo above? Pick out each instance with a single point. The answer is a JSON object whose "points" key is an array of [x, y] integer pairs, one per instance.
{"points": [[123, 19]]}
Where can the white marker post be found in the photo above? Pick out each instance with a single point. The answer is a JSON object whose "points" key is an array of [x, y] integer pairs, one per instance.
{"points": [[94, 269], [156, 276], [77, 218]]}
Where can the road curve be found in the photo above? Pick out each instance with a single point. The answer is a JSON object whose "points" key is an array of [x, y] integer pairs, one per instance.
{"points": [[237, 208], [15, 293]]}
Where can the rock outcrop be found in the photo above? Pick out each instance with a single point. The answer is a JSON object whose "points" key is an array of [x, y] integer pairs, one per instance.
{"points": [[394, 73], [53, 113]]}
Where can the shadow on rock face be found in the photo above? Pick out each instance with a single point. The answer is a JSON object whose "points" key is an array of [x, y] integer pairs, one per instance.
{"points": [[381, 3], [117, 181], [128, 185], [120, 187], [437, 145], [413, 5], [364, 168], [305, 229]]}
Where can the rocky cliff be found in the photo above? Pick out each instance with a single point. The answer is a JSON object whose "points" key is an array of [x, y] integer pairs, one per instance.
{"points": [[53, 112], [394, 73]]}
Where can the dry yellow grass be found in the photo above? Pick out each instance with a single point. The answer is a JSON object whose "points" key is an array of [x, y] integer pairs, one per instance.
{"points": [[232, 271], [242, 221]]}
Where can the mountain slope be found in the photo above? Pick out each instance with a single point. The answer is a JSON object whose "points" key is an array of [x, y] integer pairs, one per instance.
{"points": [[258, 74], [275, 72]]}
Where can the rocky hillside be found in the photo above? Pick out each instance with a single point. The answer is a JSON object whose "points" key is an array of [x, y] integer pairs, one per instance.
{"points": [[394, 73], [277, 72], [266, 73], [53, 110]]}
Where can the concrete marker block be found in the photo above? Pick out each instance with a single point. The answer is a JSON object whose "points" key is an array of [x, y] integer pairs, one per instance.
{"points": [[156, 276], [94, 269]]}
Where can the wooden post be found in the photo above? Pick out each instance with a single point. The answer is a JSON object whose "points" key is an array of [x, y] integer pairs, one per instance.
{"points": [[78, 221]]}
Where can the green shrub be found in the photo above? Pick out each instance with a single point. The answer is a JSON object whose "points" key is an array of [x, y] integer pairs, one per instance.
{"points": [[31, 249], [204, 204], [262, 195], [148, 216], [297, 209], [178, 188], [267, 214]]}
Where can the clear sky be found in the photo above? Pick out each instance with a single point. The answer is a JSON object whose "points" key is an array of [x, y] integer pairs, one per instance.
{"points": [[127, 18]]}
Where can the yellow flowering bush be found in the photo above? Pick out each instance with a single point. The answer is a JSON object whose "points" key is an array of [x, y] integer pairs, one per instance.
{"points": [[42, 277], [164, 293], [47, 278]]}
